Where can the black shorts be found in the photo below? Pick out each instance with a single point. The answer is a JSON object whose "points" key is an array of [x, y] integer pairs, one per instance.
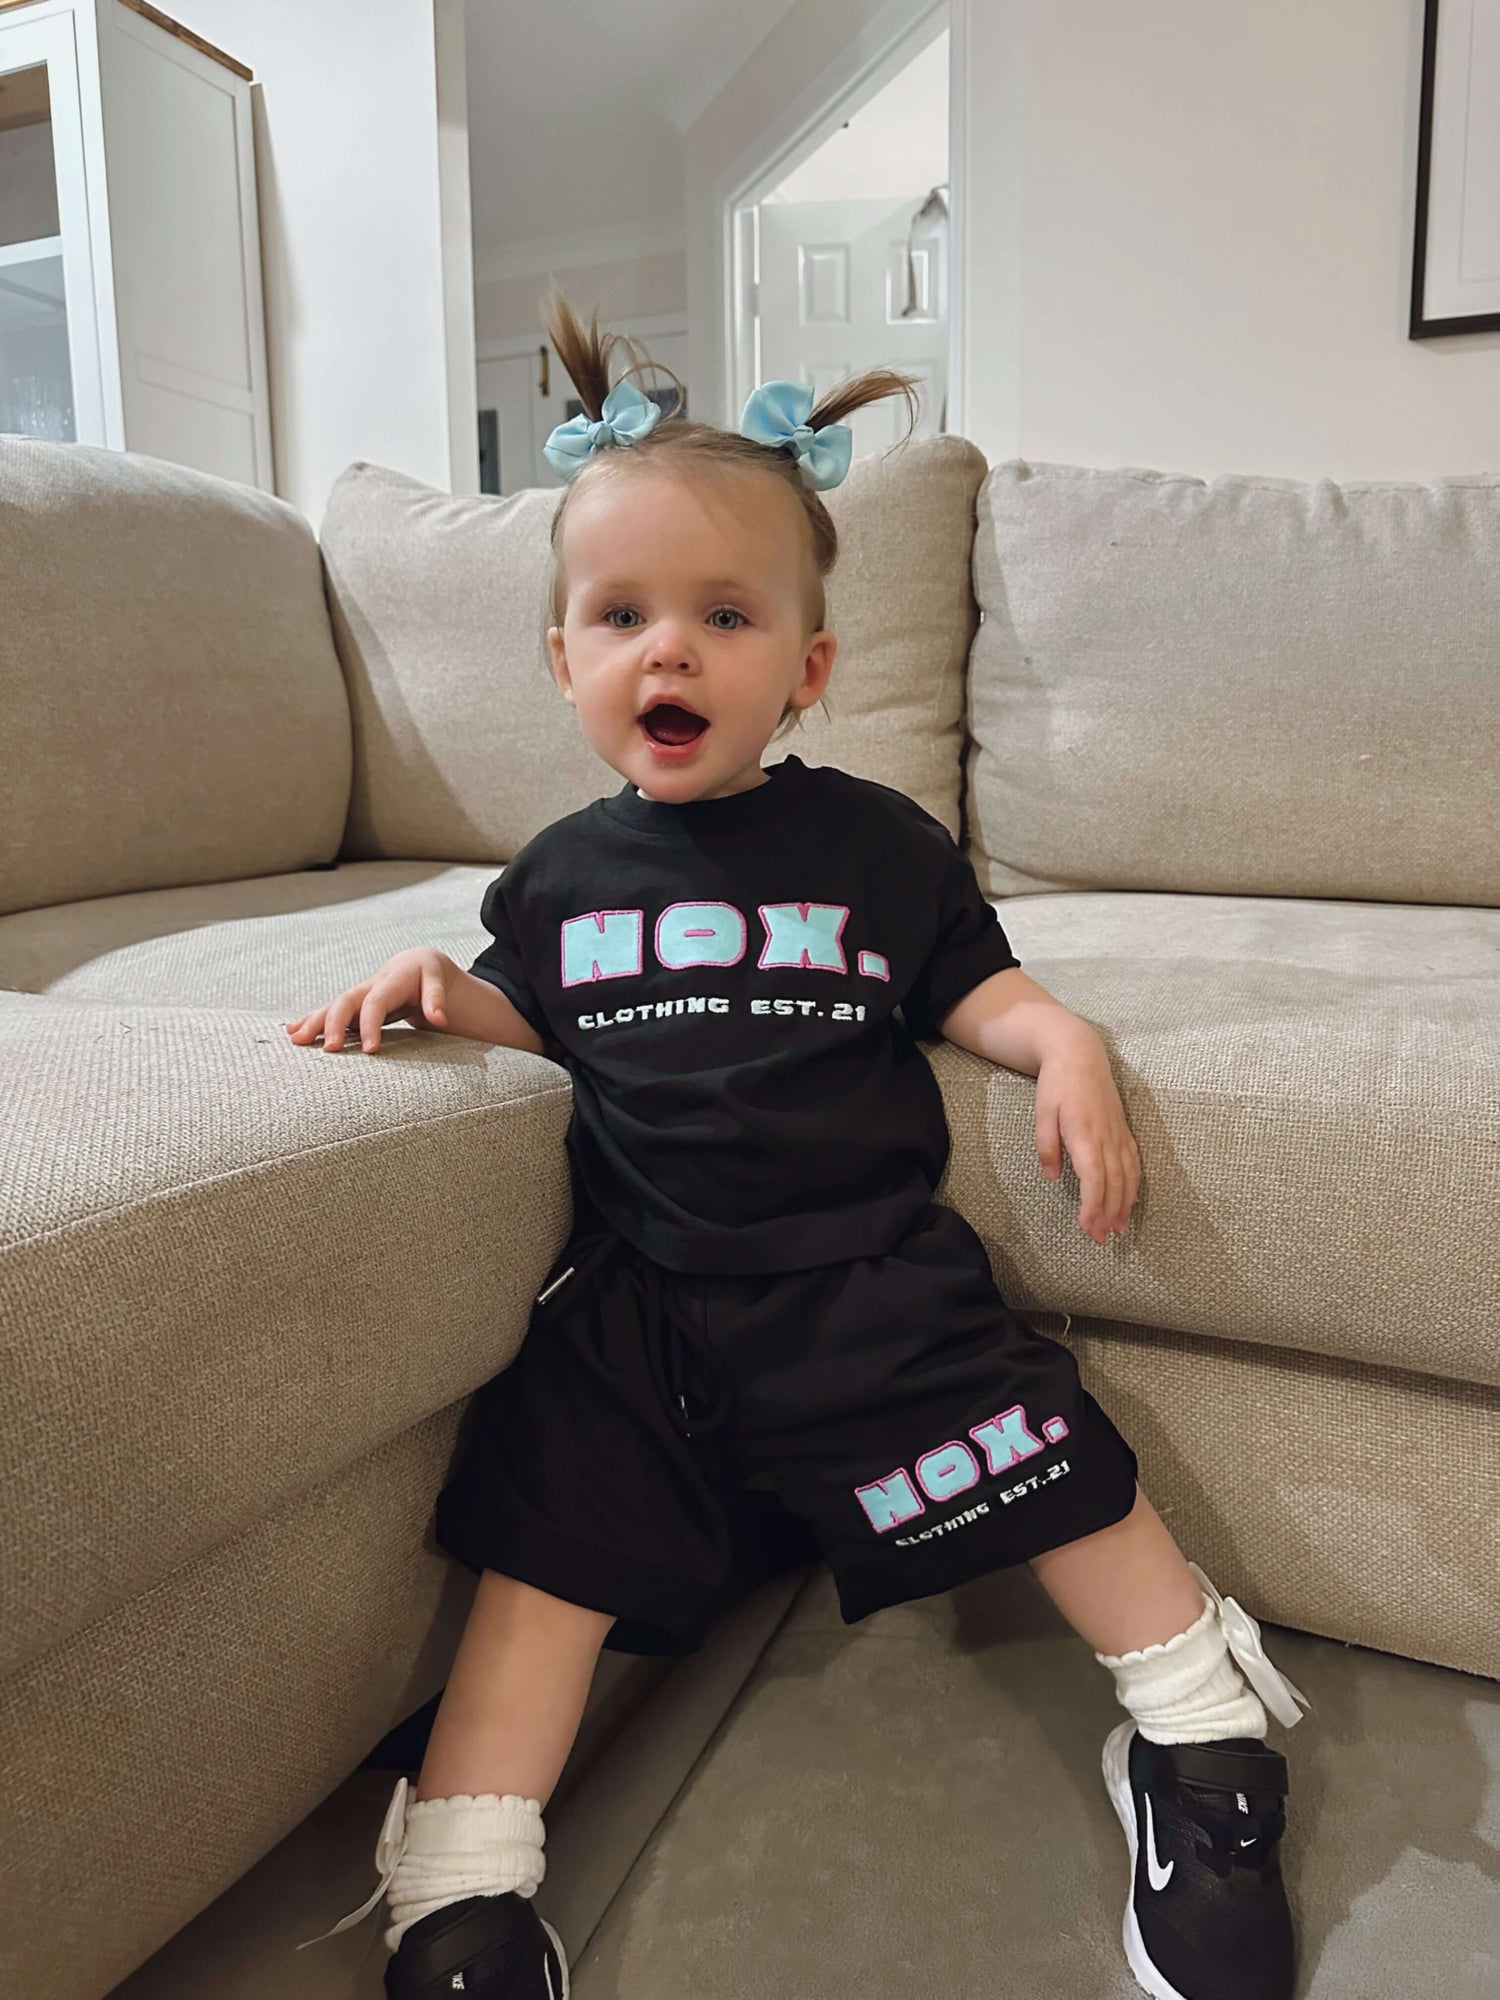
{"points": [[662, 1439]]}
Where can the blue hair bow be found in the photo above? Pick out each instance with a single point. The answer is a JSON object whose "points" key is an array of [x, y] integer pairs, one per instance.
{"points": [[777, 412], [626, 415]]}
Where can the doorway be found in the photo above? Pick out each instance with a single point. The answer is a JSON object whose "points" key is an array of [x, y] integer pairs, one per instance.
{"points": [[840, 248], [524, 392]]}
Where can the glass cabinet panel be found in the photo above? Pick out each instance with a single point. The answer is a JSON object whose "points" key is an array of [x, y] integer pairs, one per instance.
{"points": [[36, 381]]}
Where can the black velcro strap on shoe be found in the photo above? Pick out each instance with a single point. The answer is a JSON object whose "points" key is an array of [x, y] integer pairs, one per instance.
{"points": [[447, 1940], [1208, 1764]]}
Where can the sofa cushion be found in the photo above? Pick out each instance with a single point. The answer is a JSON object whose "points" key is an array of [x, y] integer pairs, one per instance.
{"points": [[284, 942], [1315, 1091], [1240, 686], [173, 706], [463, 746], [1315, 1088], [230, 1266]]}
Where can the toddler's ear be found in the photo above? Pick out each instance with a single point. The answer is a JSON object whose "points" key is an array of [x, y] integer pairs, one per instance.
{"points": [[559, 657]]}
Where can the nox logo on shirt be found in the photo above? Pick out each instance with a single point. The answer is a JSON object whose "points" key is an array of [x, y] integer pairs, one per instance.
{"points": [[609, 944]]}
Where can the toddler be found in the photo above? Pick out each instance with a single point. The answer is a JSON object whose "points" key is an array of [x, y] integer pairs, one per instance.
{"points": [[758, 1289]]}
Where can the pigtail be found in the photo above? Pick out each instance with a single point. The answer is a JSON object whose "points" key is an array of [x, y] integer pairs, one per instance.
{"points": [[588, 356], [870, 387]]}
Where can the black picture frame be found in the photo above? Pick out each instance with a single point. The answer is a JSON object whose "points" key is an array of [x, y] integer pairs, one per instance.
{"points": [[1420, 326]]}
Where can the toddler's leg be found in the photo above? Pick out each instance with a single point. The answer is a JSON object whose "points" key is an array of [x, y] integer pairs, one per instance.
{"points": [[515, 1696], [1198, 1792], [502, 1734], [1128, 1591], [1126, 1586]]}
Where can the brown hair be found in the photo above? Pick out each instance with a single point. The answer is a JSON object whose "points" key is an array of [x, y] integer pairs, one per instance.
{"points": [[588, 356]]}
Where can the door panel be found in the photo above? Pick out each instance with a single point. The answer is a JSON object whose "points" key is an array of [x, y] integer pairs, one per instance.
{"points": [[833, 291]]}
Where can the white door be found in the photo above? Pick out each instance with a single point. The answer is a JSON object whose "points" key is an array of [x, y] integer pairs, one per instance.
{"points": [[51, 383], [834, 285], [507, 387]]}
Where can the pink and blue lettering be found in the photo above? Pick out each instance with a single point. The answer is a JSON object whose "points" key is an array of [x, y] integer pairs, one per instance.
{"points": [[610, 944], [951, 1468]]}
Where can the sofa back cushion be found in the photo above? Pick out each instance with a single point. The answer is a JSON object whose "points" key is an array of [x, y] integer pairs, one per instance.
{"points": [[464, 748], [172, 706], [1242, 686]]}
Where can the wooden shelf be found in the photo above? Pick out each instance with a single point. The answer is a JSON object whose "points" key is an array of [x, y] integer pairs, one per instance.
{"points": [[172, 27]]}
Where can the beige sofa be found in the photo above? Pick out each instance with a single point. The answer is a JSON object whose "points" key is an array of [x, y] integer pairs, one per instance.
{"points": [[1225, 754]]}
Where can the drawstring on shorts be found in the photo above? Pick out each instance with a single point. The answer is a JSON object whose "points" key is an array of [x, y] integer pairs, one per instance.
{"points": [[675, 1354], [673, 1343]]}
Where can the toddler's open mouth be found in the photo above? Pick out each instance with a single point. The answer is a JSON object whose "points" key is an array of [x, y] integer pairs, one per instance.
{"points": [[672, 726]]}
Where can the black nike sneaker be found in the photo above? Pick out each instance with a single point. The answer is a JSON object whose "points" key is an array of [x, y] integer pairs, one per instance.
{"points": [[1207, 1917], [488, 1947]]}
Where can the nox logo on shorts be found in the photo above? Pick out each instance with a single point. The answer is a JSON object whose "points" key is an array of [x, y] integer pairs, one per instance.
{"points": [[951, 1468]]}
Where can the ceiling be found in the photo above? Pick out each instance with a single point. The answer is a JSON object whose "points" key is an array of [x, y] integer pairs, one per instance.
{"points": [[896, 144], [577, 110]]}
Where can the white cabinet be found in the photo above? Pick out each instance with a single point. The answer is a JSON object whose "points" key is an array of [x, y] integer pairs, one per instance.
{"points": [[130, 291]]}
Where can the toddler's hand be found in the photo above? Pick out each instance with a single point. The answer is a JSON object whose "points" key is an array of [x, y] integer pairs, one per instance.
{"points": [[1077, 1106], [412, 986]]}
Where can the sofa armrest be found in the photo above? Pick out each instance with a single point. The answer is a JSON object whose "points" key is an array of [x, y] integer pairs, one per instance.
{"points": [[229, 1266]]}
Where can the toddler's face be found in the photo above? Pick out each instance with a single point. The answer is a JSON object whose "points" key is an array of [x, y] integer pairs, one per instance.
{"points": [[690, 589]]}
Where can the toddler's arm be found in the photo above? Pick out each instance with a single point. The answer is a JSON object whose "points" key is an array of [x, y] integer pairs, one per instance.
{"points": [[482, 1012], [428, 989]]}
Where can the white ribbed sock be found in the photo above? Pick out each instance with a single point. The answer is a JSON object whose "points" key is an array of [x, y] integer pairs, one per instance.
{"points": [[464, 1846], [1188, 1689]]}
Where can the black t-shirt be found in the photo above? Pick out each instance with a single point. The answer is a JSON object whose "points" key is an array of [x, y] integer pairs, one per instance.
{"points": [[721, 981]]}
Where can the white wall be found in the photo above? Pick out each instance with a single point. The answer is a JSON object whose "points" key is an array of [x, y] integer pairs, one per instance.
{"points": [[364, 336], [617, 288], [577, 113], [1187, 234], [1189, 241]]}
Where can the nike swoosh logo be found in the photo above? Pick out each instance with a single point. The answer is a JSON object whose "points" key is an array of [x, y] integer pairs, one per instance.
{"points": [[1158, 1876]]}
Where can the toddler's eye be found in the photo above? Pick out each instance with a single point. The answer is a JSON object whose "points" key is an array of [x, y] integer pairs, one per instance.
{"points": [[727, 611], [616, 611]]}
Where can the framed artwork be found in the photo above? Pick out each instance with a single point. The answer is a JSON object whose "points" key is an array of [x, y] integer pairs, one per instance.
{"points": [[1455, 284]]}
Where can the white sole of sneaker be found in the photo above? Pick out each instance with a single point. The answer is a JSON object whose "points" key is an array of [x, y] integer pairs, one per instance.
{"points": [[562, 1957], [1117, 1779]]}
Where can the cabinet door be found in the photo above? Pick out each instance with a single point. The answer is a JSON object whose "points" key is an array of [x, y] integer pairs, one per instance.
{"points": [[184, 250], [50, 376]]}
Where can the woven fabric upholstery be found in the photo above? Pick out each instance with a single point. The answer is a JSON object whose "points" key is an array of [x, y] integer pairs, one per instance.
{"points": [[173, 710], [264, 1262], [464, 747], [1315, 1091], [40, 950], [1240, 686], [1359, 1502], [288, 943], [243, 1686]]}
